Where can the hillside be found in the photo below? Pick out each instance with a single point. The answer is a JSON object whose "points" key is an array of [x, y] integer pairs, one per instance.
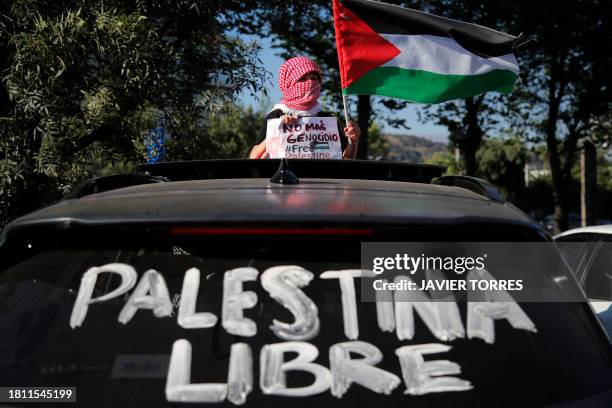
{"points": [[411, 148]]}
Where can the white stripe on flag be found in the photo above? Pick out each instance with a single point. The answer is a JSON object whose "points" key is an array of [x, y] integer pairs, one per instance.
{"points": [[443, 55]]}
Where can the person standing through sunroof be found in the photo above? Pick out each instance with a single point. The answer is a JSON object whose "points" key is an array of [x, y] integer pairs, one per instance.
{"points": [[299, 80]]}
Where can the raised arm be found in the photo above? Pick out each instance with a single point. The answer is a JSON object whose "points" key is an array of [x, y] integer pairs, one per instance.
{"points": [[352, 133]]}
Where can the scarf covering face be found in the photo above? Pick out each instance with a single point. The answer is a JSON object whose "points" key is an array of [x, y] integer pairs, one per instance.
{"points": [[299, 95]]}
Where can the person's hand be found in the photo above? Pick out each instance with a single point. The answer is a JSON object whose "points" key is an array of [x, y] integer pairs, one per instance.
{"points": [[289, 119], [259, 151], [353, 132]]}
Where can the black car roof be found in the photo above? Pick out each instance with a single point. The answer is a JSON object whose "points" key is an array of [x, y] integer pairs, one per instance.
{"points": [[259, 200], [241, 191]]}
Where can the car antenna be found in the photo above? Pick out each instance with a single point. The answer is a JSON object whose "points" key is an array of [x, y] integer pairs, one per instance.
{"points": [[284, 175]]}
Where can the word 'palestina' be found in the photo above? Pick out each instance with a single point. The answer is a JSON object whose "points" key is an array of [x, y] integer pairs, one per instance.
{"points": [[284, 283]]}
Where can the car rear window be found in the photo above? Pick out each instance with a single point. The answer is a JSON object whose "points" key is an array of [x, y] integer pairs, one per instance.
{"points": [[249, 334], [589, 257]]}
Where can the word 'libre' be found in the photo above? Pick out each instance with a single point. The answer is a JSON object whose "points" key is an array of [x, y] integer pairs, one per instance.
{"points": [[283, 284]]}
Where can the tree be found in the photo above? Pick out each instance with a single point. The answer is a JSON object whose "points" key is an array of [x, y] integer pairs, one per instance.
{"points": [[469, 120], [228, 134], [565, 92], [379, 146], [501, 161], [306, 27], [84, 79], [446, 159]]}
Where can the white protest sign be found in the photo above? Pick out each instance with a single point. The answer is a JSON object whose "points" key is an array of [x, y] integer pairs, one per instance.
{"points": [[309, 138]]}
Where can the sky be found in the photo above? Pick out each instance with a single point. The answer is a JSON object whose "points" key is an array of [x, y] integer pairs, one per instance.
{"points": [[272, 63]]}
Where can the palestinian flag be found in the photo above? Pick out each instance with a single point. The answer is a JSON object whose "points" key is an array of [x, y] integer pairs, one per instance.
{"points": [[403, 53]]}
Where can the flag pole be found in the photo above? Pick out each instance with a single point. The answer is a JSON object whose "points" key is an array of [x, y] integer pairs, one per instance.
{"points": [[346, 116]]}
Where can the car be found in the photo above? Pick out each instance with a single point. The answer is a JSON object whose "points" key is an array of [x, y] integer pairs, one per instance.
{"points": [[574, 221], [550, 223], [588, 250], [243, 282]]}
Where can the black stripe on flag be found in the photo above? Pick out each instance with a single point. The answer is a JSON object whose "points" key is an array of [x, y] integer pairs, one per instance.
{"points": [[391, 19]]}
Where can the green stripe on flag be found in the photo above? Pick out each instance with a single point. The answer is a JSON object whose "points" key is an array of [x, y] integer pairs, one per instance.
{"points": [[429, 87]]}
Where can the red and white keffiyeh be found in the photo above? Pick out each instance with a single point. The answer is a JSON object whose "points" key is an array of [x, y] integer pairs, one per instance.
{"points": [[299, 95]]}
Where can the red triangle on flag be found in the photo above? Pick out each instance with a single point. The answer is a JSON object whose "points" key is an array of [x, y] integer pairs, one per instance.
{"points": [[360, 48]]}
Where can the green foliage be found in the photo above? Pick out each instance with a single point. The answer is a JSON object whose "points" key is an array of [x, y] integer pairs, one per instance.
{"points": [[604, 170], [501, 161], [228, 134], [604, 174], [378, 146], [448, 160], [565, 92], [82, 81]]}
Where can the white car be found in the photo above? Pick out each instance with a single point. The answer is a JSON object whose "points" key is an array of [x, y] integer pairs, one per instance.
{"points": [[588, 250]]}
